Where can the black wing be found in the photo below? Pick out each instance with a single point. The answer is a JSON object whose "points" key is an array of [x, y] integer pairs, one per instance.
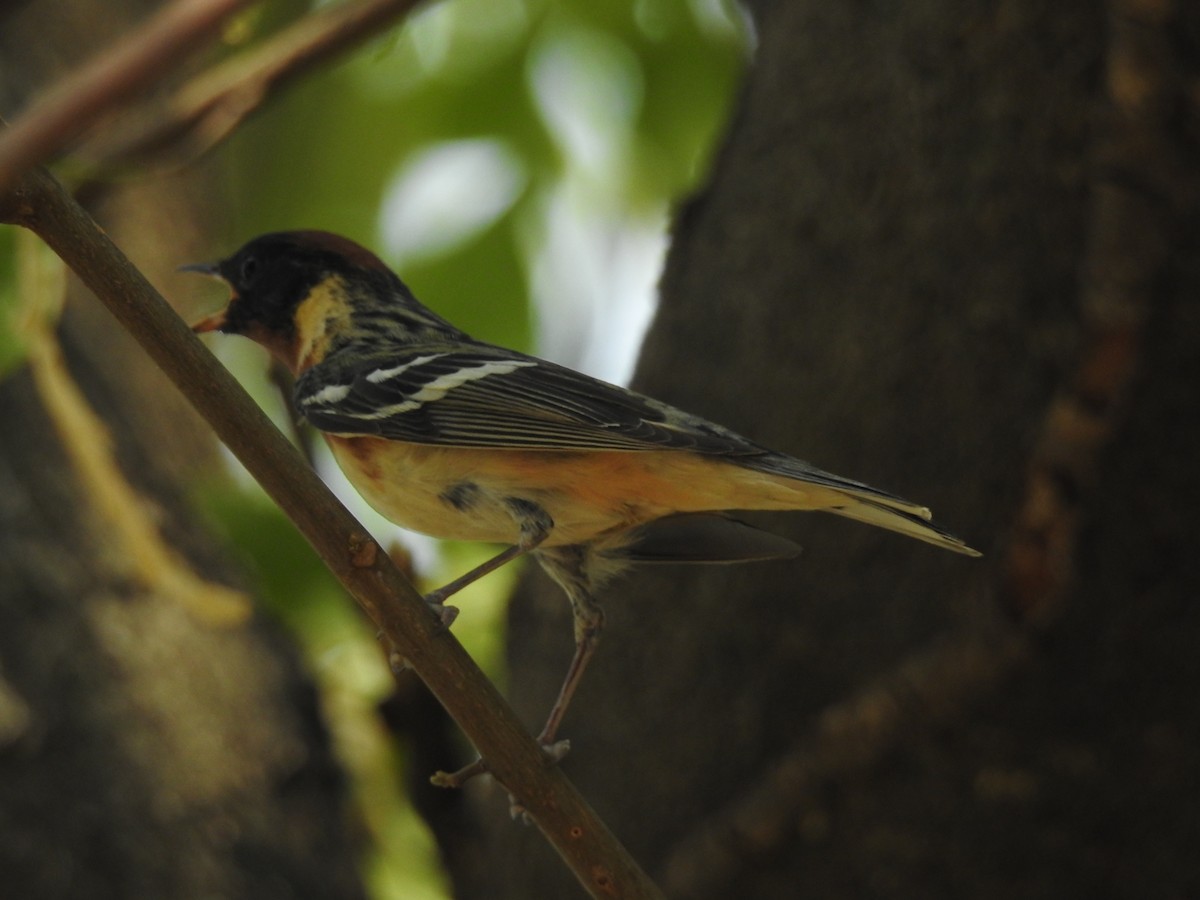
{"points": [[480, 396]]}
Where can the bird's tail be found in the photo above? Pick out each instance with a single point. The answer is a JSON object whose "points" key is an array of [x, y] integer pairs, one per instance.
{"points": [[819, 490], [915, 525]]}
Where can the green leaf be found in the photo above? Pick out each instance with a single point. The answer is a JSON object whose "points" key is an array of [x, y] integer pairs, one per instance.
{"points": [[12, 348]]}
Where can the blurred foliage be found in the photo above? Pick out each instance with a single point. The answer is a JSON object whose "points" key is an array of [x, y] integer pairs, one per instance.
{"points": [[32, 288], [449, 145], [325, 154], [622, 100], [342, 652], [11, 347]]}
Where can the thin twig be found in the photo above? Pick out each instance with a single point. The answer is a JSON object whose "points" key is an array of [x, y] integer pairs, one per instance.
{"points": [[597, 859], [68, 108], [206, 109]]}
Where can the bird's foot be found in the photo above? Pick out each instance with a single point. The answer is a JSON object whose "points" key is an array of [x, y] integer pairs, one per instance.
{"points": [[462, 776], [555, 753], [446, 615], [557, 750]]}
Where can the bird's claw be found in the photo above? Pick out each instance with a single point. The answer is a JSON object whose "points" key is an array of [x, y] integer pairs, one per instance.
{"points": [[445, 614], [518, 812], [557, 751], [459, 778]]}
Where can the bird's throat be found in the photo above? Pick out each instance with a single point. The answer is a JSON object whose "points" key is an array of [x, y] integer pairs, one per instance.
{"points": [[325, 312]]}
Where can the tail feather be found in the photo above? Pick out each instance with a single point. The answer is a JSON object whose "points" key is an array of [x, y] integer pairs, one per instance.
{"points": [[799, 470], [865, 503], [703, 538], [902, 522]]}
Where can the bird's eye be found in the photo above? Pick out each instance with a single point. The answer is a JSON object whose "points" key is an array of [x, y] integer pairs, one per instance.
{"points": [[249, 269]]}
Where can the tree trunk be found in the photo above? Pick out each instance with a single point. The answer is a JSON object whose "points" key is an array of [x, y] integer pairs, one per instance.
{"points": [[941, 241], [144, 750]]}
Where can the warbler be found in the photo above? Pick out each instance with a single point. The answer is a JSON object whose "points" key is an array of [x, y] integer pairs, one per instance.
{"points": [[461, 439]]}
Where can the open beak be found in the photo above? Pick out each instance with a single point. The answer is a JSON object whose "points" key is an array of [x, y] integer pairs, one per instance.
{"points": [[217, 320]]}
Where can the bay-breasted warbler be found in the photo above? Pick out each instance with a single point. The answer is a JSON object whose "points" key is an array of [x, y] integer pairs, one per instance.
{"points": [[457, 438]]}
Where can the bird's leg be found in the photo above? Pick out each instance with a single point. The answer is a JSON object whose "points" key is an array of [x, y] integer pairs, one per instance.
{"points": [[436, 599], [534, 525], [569, 566], [589, 622], [573, 567]]}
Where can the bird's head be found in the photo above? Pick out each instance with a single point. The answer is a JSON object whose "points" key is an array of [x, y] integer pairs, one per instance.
{"points": [[301, 294]]}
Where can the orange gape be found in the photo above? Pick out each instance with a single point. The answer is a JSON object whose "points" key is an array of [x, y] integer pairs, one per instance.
{"points": [[459, 438]]}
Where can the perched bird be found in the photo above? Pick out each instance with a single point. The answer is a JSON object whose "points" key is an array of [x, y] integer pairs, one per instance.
{"points": [[457, 438]]}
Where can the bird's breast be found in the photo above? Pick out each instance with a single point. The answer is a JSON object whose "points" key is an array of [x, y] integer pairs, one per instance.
{"points": [[462, 493]]}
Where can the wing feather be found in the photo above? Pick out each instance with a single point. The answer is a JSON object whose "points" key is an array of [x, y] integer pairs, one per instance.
{"points": [[473, 395], [479, 396], [483, 397]]}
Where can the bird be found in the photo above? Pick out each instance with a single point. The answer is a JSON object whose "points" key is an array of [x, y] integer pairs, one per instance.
{"points": [[461, 439]]}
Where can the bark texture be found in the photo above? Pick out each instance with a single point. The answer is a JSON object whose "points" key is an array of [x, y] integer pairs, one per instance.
{"points": [[144, 752], [949, 249]]}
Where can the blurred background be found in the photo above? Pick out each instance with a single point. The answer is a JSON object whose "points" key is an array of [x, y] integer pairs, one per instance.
{"points": [[947, 248], [516, 162]]}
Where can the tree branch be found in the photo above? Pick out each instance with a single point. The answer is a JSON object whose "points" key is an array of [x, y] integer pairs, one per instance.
{"points": [[206, 109], [1137, 196], [598, 860], [930, 688], [67, 109]]}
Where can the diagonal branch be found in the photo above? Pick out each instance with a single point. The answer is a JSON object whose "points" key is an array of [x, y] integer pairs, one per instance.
{"points": [[67, 109], [205, 110], [1137, 194], [598, 860], [930, 688]]}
